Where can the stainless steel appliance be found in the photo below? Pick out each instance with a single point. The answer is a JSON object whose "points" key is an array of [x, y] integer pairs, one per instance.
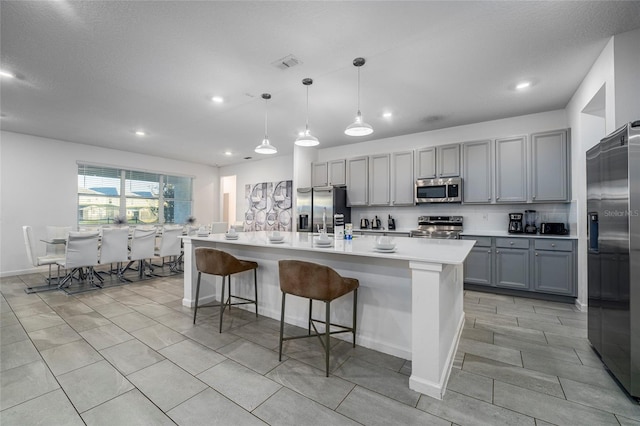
{"points": [[530, 222], [443, 227], [447, 190], [613, 257], [326, 202], [391, 224], [364, 223], [304, 201], [515, 223], [376, 224]]}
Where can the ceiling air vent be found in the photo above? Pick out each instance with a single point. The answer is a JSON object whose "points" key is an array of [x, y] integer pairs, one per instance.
{"points": [[286, 62]]}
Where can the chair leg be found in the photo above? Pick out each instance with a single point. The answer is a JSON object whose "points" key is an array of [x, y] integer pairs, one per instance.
{"points": [[255, 287], [327, 334], [310, 310], [281, 326], [223, 304], [355, 311], [195, 311]]}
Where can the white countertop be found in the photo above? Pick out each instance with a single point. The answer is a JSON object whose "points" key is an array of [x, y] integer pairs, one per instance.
{"points": [[410, 249], [505, 234]]}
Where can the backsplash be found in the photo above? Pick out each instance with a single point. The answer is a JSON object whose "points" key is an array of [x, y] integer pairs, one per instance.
{"points": [[486, 217]]}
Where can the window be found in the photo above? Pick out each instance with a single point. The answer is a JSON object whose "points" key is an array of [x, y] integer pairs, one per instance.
{"points": [[105, 194]]}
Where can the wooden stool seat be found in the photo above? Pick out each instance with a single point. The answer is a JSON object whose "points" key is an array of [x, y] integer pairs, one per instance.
{"points": [[217, 262], [316, 282]]}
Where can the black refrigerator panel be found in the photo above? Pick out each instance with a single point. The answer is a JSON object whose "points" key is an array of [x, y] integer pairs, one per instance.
{"points": [[328, 201], [304, 201]]}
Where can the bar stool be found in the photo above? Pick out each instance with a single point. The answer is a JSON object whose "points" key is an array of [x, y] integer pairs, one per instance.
{"points": [[316, 282], [217, 262]]}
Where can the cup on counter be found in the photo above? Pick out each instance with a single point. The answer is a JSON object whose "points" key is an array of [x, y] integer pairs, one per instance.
{"points": [[232, 231]]}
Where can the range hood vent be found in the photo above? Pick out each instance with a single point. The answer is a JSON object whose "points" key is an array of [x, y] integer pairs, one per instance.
{"points": [[286, 62]]}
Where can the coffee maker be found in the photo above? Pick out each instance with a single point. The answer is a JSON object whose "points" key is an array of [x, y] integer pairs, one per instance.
{"points": [[515, 223]]}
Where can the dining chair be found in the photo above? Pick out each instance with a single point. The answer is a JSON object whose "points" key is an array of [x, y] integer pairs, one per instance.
{"points": [[170, 246], [219, 227], [81, 252], [143, 244], [56, 233], [36, 260], [114, 248]]}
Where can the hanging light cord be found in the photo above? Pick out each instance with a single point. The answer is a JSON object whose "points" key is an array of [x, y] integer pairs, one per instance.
{"points": [[307, 122], [359, 92], [266, 112]]}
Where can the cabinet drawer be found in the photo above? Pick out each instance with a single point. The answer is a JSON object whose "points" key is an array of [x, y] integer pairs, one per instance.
{"points": [[553, 245], [521, 243], [480, 241]]}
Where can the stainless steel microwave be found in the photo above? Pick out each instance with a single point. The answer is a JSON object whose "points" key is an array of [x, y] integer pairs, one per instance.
{"points": [[447, 190]]}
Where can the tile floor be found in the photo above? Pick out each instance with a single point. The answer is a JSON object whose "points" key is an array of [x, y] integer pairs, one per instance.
{"points": [[130, 355]]}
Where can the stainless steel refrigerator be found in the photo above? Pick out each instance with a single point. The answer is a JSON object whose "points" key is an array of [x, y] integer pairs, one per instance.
{"points": [[613, 259], [321, 204]]}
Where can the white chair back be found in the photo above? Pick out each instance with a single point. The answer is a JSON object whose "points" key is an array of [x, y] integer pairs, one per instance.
{"points": [[29, 245], [143, 244], [56, 232], [170, 241], [81, 250], [115, 245], [219, 227]]}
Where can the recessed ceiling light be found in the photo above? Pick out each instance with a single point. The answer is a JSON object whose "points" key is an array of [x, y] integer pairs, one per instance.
{"points": [[217, 99], [140, 133], [523, 85], [387, 114], [7, 74], [228, 153]]}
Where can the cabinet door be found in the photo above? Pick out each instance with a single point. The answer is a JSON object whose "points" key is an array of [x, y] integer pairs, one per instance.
{"points": [[478, 266], [319, 176], [379, 180], [549, 166], [511, 170], [448, 160], [402, 181], [512, 268], [337, 172], [358, 181], [426, 163], [553, 272], [477, 167]]}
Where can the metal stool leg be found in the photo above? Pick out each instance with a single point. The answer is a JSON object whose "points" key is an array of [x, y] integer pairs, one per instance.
{"points": [[223, 303], [197, 294], [327, 333], [281, 326], [355, 310], [255, 287], [310, 308]]}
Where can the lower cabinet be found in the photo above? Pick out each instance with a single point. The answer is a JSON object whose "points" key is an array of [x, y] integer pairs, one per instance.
{"points": [[530, 264]]}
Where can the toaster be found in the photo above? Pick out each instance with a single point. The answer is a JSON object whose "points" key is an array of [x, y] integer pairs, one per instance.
{"points": [[553, 228]]}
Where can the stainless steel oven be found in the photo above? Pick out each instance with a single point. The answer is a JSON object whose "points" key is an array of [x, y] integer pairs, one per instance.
{"points": [[447, 190], [443, 227]]}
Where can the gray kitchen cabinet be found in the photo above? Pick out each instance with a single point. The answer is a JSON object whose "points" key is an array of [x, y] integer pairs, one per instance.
{"points": [[337, 172], [438, 162], [512, 263], [402, 181], [319, 174], [549, 167], [553, 267], [478, 266], [380, 180], [358, 181], [477, 171], [511, 170]]}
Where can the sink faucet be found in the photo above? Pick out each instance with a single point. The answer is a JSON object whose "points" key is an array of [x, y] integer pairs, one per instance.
{"points": [[324, 220]]}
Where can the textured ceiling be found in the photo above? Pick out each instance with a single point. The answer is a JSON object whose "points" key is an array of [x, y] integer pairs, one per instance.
{"points": [[94, 71]]}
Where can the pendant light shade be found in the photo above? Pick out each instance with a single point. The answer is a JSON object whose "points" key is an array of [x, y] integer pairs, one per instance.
{"points": [[265, 147], [307, 139], [358, 127]]}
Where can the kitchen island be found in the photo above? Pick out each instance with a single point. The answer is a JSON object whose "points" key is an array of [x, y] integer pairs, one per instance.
{"points": [[410, 301]]}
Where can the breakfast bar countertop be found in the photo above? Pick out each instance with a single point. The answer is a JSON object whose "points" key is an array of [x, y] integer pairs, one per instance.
{"points": [[450, 252]]}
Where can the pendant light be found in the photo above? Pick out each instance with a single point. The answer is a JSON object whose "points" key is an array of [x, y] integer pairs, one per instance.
{"points": [[265, 147], [358, 127], [307, 139]]}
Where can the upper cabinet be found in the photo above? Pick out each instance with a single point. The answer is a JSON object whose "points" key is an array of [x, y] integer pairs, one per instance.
{"points": [[549, 167], [330, 173], [402, 181], [511, 170], [358, 181], [477, 160], [438, 162], [379, 180]]}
